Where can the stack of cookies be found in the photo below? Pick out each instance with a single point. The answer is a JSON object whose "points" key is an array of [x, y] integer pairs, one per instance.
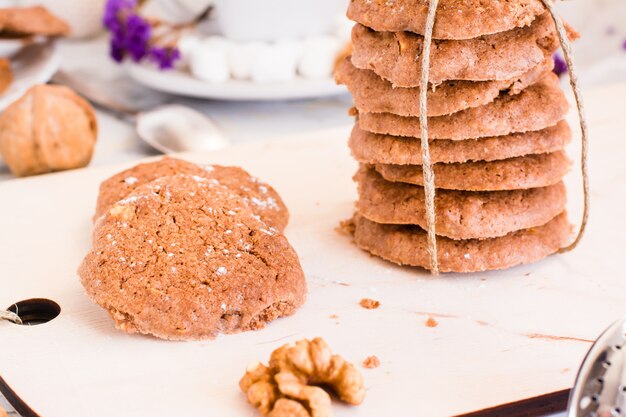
{"points": [[496, 132]]}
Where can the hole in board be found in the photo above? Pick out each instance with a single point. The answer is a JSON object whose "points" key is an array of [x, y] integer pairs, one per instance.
{"points": [[35, 311]]}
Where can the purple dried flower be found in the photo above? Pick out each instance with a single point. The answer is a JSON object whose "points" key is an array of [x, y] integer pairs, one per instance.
{"points": [[624, 45], [138, 33], [131, 35], [117, 49], [560, 66], [113, 11], [164, 57]]}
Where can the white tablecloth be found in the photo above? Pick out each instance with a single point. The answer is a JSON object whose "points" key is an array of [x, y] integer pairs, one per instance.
{"points": [[600, 55]]}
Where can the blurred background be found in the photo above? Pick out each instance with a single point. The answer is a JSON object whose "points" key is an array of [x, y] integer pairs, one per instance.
{"points": [[257, 70]]}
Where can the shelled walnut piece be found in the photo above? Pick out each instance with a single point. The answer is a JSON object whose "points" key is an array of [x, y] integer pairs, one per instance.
{"points": [[289, 386], [50, 128]]}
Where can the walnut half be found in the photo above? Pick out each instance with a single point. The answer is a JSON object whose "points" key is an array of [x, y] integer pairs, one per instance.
{"points": [[291, 384]]}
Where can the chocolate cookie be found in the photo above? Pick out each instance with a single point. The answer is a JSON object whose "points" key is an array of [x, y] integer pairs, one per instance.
{"points": [[407, 245], [261, 197], [373, 94], [455, 19], [184, 258], [539, 106], [395, 55], [530, 171], [460, 214], [372, 148]]}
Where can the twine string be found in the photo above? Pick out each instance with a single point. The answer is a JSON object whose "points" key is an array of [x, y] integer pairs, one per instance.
{"points": [[429, 176], [10, 316], [573, 76], [427, 170]]}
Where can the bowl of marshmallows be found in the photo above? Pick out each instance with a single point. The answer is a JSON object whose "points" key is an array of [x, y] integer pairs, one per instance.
{"points": [[268, 41]]}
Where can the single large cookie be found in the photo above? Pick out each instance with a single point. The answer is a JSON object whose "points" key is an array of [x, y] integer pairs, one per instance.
{"points": [[373, 94], [184, 258], [396, 56], [261, 197], [530, 171], [459, 214], [407, 245], [455, 19], [372, 148], [539, 106]]}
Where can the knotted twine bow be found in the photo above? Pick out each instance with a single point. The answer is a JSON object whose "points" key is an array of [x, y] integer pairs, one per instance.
{"points": [[429, 176]]}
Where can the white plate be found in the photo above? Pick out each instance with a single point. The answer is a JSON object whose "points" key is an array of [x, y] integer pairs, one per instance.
{"points": [[9, 47], [35, 64], [182, 83]]}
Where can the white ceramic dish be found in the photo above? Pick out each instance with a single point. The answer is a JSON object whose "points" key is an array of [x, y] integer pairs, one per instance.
{"points": [[246, 20], [35, 64], [10, 47], [84, 17], [182, 83]]}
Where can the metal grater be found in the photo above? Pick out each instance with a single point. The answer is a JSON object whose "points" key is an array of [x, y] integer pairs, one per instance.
{"points": [[600, 389]]}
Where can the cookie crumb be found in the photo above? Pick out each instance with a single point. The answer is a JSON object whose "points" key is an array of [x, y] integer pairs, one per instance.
{"points": [[371, 362], [333, 316], [431, 322], [346, 227], [369, 304]]}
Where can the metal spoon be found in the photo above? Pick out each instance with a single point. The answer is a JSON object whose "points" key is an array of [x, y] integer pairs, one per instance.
{"points": [[175, 128], [600, 389], [169, 128]]}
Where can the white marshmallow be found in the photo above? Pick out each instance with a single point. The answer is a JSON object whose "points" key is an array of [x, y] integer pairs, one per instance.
{"points": [[241, 58], [186, 45], [319, 56], [208, 61], [343, 28], [276, 63]]}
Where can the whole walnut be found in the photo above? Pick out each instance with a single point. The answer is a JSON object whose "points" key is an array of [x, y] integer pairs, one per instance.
{"points": [[50, 128]]}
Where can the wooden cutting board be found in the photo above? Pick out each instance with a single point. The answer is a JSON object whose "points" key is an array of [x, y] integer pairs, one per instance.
{"points": [[501, 337]]}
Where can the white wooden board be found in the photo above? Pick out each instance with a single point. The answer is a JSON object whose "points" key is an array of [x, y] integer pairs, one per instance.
{"points": [[502, 336]]}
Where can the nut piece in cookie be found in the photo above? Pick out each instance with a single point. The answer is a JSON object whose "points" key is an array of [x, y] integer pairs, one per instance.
{"points": [[184, 258], [261, 197], [50, 128], [296, 373]]}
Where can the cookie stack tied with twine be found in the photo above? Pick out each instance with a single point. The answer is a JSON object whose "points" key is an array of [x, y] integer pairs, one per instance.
{"points": [[460, 132]]}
